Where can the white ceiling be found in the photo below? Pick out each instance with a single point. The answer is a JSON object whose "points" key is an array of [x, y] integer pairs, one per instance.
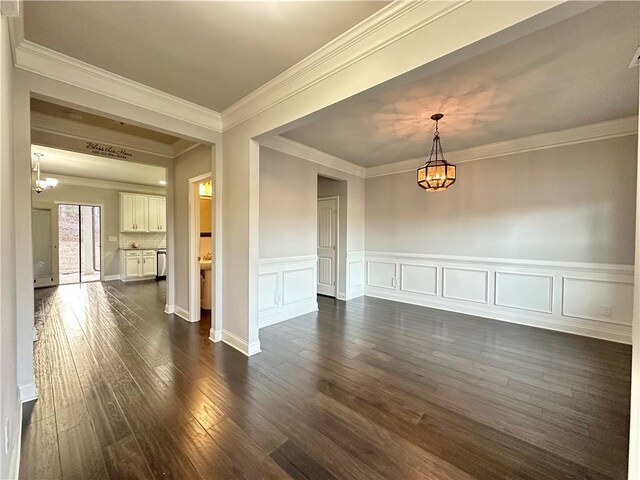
{"points": [[211, 53], [63, 162], [569, 74]]}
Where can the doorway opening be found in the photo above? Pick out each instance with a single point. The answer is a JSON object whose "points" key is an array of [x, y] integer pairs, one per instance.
{"points": [[201, 258], [331, 238], [79, 243]]}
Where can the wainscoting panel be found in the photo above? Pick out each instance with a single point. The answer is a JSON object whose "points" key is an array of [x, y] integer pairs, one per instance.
{"points": [[382, 274], [465, 284], [287, 288], [525, 291], [355, 275], [604, 301], [419, 279], [594, 300]]}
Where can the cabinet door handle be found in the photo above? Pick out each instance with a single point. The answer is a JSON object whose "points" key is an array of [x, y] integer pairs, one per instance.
{"points": [[138, 261]]}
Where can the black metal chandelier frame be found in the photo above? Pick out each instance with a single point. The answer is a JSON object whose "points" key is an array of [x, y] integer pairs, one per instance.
{"points": [[437, 174]]}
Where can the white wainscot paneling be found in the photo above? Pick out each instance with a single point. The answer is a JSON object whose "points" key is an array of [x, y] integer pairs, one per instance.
{"points": [[466, 284], [382, 274], [268, 291], [287, 288], [524, 291], [297, 285], [355, 275], [596, 299], [421, 279]]}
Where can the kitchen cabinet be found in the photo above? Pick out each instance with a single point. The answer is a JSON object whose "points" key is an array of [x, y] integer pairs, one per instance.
{"points": [[157, 214], [137, 265], [133, 212], [142, 213]]}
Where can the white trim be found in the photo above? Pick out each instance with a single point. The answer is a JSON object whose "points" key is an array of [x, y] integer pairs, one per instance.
{"points": [[236, 342], [571, 136], [288, 312], [614, 269], [215, 335], [182, 313], [27, 392], [354, 289], [300, 150], [584, 318], [288, 261], [43, 61], [14, 465], [194, 244], [357, 43], [111, 278], [169, 309]]}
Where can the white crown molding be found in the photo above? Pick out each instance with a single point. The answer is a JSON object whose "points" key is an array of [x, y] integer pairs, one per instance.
{"points": [[291, 147], [106, 184], [400, 18], [43, 61], [82, 131], [571, 136]]}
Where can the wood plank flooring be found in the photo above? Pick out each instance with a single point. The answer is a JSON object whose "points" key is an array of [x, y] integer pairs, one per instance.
{"points": [[368, 389]]}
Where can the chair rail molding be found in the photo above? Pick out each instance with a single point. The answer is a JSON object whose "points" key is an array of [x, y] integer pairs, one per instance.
{"points": [[589, 299]]}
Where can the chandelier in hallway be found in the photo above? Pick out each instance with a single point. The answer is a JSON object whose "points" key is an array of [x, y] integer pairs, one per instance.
{"points": [[437, 174], [38, 185]]}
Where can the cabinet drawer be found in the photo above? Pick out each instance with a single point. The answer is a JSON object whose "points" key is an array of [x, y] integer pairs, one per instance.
{"points": [[148, 252], [132, 253]]}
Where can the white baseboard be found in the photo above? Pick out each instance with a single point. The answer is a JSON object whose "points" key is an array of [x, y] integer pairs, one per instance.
{"points": [[593, 300], [169, 309], [239, 344], [287, 313], [182, 313], [14, 462], [27, 392], [355, 275], [215, 336], [139, 279], [110, 278]]}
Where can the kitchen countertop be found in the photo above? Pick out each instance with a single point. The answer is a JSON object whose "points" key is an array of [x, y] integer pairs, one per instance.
{"points": [[142, 248]]}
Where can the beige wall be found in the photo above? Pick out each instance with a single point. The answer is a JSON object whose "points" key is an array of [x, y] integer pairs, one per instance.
{"points": [[288, 205], [191, 164], [571, 203], [9, 402]]}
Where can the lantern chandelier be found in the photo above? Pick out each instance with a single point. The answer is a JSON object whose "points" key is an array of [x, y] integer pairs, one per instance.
{"points": [[40, 185], [437, 174]]}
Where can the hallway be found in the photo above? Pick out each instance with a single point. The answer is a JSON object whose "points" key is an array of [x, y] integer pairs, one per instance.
{"points": [[367, 389]]}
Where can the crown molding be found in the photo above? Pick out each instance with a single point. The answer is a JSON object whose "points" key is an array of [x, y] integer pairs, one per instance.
{"points": [[586, 133], [291, 147], [105, 184], [398, 19], [43, 61]]}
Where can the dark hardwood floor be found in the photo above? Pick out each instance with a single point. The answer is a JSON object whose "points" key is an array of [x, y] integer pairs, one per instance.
{"points": [[368, 389]]}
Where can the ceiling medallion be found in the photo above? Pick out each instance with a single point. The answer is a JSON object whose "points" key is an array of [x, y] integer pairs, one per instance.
{"points": [[437, 174]]}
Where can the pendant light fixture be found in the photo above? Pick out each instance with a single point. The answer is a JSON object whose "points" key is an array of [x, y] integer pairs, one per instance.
{"points": [[437, 174], [40, 185]]}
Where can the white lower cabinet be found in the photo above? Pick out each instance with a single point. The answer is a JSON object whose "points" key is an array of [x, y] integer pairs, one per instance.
{"points": [[137, 265]]}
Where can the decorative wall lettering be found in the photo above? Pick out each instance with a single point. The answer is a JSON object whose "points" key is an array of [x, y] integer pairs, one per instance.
{"points": [[108, 151]]}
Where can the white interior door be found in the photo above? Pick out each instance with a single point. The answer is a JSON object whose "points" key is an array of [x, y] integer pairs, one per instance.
{"points": [[45, 254], [327, 245]]}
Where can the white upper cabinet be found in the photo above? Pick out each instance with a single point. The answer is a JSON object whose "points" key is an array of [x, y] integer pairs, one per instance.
{"points": [[157, 214], [142, 213]]}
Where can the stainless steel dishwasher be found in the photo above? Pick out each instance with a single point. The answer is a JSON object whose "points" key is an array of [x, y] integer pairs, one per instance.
{"points": [[161, 271]]}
